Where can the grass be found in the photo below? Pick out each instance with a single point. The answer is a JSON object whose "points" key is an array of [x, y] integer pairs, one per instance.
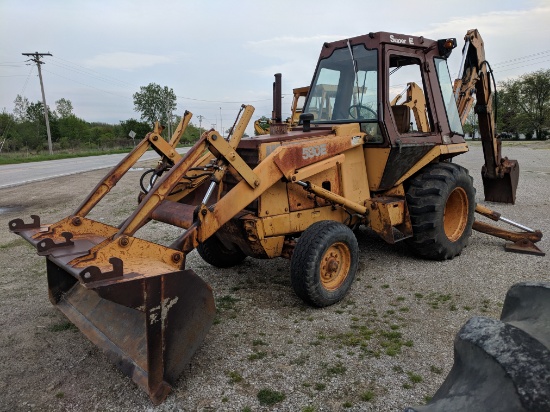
{"points": [[13, 243], [300, 360], [320, 386], [270, 397], [414, 378], [367, 396], [234, 377], [17, 158], [60, 327], [435, 300], [257, 355], [226, 302], [335, 370]]}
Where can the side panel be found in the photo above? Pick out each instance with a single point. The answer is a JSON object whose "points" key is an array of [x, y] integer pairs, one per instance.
{"points": [[299, 199], [355, 184], [400, 161]]}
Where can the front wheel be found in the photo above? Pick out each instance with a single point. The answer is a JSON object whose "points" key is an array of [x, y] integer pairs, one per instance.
{"points": [[324, 263], [213, 251], [441, 201]]}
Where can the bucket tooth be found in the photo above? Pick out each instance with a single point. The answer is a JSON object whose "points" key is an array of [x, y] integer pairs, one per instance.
{"points": [[17, 225], [44, 246]]}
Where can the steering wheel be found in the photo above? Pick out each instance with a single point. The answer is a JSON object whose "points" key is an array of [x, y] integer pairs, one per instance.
{"points": [[356, 109]]}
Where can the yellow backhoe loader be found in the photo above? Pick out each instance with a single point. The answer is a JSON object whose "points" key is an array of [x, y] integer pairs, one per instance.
{"points": [[353, 160]]}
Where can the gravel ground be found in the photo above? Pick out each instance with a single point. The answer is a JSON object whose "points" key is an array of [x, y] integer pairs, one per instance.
{"points": [[386, 346]]}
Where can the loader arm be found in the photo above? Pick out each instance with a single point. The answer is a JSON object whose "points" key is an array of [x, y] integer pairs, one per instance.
{"points": [[500, 175]]}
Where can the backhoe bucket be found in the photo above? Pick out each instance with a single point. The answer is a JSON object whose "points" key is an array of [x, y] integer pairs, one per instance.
{"points": [[133, 302], [502, 189]]}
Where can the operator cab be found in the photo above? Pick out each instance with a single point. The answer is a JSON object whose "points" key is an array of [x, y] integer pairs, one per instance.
{"points": [[386, 83], [345, 89]]}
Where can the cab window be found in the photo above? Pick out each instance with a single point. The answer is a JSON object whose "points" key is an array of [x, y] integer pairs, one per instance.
{"points": [[407, 96]]}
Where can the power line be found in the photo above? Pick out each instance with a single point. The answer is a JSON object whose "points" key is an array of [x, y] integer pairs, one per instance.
{"points": [[85, 84], [521, 58]]}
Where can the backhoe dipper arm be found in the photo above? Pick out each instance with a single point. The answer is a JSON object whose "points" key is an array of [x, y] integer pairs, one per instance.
{"points": [[500, 175]]}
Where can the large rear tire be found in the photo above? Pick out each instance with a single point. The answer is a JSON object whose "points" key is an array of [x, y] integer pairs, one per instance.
{"points": [[441, 201], [213, 251], [324, 263]]}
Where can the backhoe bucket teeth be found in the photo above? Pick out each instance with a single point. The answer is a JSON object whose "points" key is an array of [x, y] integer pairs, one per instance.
{"points": [[502, 189]]}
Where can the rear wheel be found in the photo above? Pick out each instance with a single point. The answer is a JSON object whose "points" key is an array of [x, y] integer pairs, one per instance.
{"points": [[213, 251], [441, 201], [324, 263]]}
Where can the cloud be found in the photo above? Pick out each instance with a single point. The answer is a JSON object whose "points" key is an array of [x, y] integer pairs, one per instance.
{"points": [[126, 60]]}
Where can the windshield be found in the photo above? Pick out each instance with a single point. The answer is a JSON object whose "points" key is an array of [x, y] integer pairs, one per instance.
{"points": [[344, 89], [446, 86]]}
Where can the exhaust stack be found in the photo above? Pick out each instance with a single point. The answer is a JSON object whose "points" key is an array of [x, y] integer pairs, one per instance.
{"points": [[277, 126]]}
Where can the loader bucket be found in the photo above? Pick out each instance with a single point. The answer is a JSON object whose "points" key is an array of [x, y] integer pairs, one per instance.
{"points": [[502, 189], [128, 296], [149, 328]]}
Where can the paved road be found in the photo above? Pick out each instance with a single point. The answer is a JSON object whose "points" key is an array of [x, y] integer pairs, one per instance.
{"points": [[17, 174]]}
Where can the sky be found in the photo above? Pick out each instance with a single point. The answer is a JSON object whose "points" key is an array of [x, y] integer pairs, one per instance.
{"points": [[217, 55]]}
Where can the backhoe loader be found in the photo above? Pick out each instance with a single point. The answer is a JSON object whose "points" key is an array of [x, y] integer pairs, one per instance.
{"points": [[353, 160]]}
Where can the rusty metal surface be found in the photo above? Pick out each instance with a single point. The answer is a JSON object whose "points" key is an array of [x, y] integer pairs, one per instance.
{"points": [[44, 246], [502, 189], [506, 234], [149, 328], [18, 225], [524, 246], [174, 213]]}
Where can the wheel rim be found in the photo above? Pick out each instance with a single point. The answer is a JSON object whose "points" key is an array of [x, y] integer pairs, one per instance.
{"points": [[456, 214], [335, 266]]}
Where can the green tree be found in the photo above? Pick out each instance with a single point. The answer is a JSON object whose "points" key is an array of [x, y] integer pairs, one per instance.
{"points": [[35, 115], [64, 108], [20, 109], [140, 128], [471, 124], [525, 104], [154, 103], [73, 131]]}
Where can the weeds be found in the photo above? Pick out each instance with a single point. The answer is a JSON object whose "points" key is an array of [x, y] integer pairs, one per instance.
{"points": [[60, 327], [257, 355], [338, 369], [270, 397], [226, 302], [320, 386], [234, 377]]}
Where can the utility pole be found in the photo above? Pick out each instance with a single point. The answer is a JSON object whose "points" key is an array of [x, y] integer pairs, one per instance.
{"points": [[221, 123], [36, 58], [169, 115], [200, 117]]}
